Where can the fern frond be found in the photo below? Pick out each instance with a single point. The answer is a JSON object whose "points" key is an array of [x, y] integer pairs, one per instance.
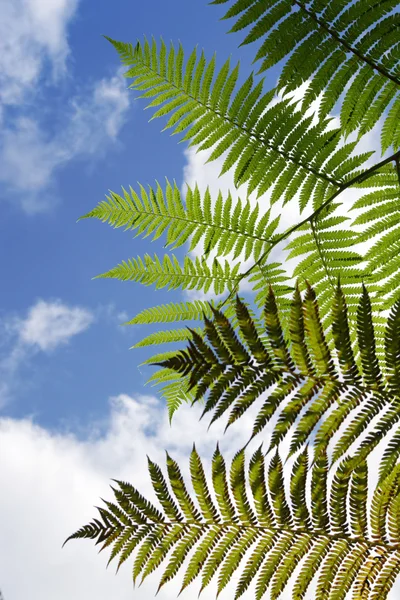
{"points": [[225, 226], [211, 539], [172, 312], [193, 275], [166, 337], [315, 386], [240, 123], [335, 46]]}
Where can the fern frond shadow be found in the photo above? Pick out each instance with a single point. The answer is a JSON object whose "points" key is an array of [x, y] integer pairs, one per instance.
{"points": [[314, 378]]}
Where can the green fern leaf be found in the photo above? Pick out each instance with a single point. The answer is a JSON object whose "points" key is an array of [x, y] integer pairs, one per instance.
{"points": [[217, 117], [169, 313], [166, 337], [169, 273], [334, 47], [161, 212], [314, 388], [338, 549]]}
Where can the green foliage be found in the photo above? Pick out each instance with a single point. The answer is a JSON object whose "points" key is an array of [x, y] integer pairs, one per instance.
{"points": [[272, 145], [227, 227], [380, 220], [312, 387], [326, 371], [169, 313], [166, 337], [266, 533], [174, 389], [333, 45], [241, 124], [193, 275]]}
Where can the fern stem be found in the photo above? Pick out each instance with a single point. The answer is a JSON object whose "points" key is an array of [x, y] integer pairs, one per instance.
{"points": [[321, 253], [345, 45], [378, 544], [358, 179]]}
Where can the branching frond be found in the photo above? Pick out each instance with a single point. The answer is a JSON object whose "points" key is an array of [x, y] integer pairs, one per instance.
{"points": [[272, 145], [323, 358], [253, 523], [193, 275], [227, 226], [335, 45], [313, 388], [325, 246]]}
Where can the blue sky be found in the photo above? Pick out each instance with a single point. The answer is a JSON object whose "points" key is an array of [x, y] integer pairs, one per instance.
{"points": [[73, 408], [61, 164]]}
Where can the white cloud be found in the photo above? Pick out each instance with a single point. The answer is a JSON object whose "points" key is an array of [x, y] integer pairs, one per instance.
{"points": [[51, 324], [47, 326], [97, 118], [33, 54], [31, 33], [52, 481], [30, 157]]}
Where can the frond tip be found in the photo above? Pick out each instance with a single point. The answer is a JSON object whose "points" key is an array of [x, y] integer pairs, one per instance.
{"points": [[207, 536]]}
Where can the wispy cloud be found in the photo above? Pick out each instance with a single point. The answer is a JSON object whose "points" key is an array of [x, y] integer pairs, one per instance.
{"points": [[33, 55], [32, 33], [63, 477], [46, 327], [52, 324], [30, 157]]}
